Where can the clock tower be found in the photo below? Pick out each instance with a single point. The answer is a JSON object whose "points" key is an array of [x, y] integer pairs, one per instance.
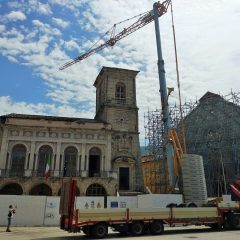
{"points": [[116, 104]]}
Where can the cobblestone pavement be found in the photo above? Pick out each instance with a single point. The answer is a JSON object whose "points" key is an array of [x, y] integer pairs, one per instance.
{"points": [[54, 233]]}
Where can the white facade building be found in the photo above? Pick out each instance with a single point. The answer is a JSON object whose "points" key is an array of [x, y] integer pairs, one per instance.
{"points": [[101, 153]]}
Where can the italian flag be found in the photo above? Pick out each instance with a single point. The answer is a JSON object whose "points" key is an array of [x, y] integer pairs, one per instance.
{"points": [[47, 171]]}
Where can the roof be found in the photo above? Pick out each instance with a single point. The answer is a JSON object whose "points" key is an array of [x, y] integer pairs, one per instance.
{"points": [[52, 118], [209, 95], [113, 69], [213, 98]]}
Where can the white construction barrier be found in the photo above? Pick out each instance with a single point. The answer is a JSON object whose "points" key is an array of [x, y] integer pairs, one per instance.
{"points": [[43, 211]]}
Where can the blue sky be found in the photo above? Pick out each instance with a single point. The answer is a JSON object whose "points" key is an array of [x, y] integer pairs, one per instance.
{"points": [[37, 37]]}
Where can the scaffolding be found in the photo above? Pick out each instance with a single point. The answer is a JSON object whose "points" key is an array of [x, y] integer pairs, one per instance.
{"points": [[212, 129]]}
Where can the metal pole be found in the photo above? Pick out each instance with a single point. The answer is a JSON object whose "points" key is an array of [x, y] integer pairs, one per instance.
{"points": [[164, 96]]}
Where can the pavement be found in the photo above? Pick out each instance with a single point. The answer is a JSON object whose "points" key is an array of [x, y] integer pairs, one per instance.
{"points": [[177, 233]]}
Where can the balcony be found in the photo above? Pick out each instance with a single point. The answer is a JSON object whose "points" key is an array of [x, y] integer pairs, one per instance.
{"points": [[6, 173], [101, 174]]}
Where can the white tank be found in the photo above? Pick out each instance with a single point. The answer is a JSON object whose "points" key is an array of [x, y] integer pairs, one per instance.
{"points": [[193, 179]]}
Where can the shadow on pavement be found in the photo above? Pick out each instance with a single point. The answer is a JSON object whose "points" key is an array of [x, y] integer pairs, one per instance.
{"points": [[188, 232]]}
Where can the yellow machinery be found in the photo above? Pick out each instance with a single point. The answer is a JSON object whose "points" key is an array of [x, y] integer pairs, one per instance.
{"points": [[155, 179]]}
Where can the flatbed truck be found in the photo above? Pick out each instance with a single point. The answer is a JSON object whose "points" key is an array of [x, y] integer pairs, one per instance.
{"points": [[137, 221]]}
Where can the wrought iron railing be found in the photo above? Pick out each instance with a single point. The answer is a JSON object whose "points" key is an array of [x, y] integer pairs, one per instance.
{"points": [[6, 173]]}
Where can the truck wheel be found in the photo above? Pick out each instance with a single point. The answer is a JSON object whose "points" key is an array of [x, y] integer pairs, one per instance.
{"points": [[216, 226], [156, 228], [192, 204], [137, 228], [171, 205], [100, 230], [232, 220], [87, 230]]}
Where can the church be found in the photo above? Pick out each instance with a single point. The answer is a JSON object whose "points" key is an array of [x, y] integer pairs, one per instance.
{"points": [[102, 154]]}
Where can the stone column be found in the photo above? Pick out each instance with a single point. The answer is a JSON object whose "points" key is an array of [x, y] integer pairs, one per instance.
{"points": [[87, 160], [4, 147], [28, 171], [27, 158], [58, 153], [35, 167], [103, 162], [77, 163], [108, 154], [83, 153]]}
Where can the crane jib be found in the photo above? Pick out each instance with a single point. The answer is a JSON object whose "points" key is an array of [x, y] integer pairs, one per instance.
{"points": [[141, 22]]}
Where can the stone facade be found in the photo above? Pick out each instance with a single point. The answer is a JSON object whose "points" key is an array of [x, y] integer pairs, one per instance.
{"points": [[101, 153], [213, 131]]}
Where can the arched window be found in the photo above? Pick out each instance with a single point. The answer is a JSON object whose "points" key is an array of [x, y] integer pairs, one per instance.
{"points": [[18, 160], [96, 190], [94, 162], [44, 153], [70, 162], [120, 93]]}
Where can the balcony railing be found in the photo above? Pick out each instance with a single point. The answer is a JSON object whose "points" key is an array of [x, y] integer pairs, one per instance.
{"points": [[6, 173]]}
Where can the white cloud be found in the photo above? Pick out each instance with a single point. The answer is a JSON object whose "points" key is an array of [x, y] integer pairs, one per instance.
{"points": [[12, 59], [59, 22], [40, 8], [15, 4], [73, 5], [31, 6], [37, 23], [16, 16], [15, 46], [46, 28], [71, 45], [9, 106], [44, 9], [2, 28]]}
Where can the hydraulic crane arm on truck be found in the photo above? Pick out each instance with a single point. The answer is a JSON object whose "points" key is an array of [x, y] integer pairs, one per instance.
{"points": [[136, 221]]}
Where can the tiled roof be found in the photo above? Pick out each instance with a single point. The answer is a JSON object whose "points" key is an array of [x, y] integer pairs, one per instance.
{"points": [[51, 118]]}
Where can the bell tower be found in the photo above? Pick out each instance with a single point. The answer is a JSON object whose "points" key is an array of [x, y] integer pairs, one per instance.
{"points": [[116, 104], [116, 98]]}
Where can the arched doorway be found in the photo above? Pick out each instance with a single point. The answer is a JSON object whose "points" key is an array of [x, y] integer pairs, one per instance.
{"points": [[18, 160], [94, 162], [41, 190], [44, 153], [96, 190], [70, 162], [11, 189]]}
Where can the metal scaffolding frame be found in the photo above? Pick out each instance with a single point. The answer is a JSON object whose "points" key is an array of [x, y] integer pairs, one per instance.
{"points": [[212, 129]]}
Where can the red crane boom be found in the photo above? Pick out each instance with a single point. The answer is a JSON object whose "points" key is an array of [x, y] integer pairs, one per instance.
{"points": [[142, 21]]}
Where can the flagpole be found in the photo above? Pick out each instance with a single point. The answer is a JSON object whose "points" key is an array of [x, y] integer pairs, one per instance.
{"points": [[48, 166]]}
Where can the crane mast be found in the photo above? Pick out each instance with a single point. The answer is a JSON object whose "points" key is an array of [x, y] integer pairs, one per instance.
{"points": [[158, 10], [168, 149]]}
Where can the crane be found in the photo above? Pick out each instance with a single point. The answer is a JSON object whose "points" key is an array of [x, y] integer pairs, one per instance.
{"points": [[141, 22], [158, 10]]}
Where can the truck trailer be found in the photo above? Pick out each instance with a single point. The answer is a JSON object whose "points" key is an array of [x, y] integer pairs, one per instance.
{"points": [[137, 221]]}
